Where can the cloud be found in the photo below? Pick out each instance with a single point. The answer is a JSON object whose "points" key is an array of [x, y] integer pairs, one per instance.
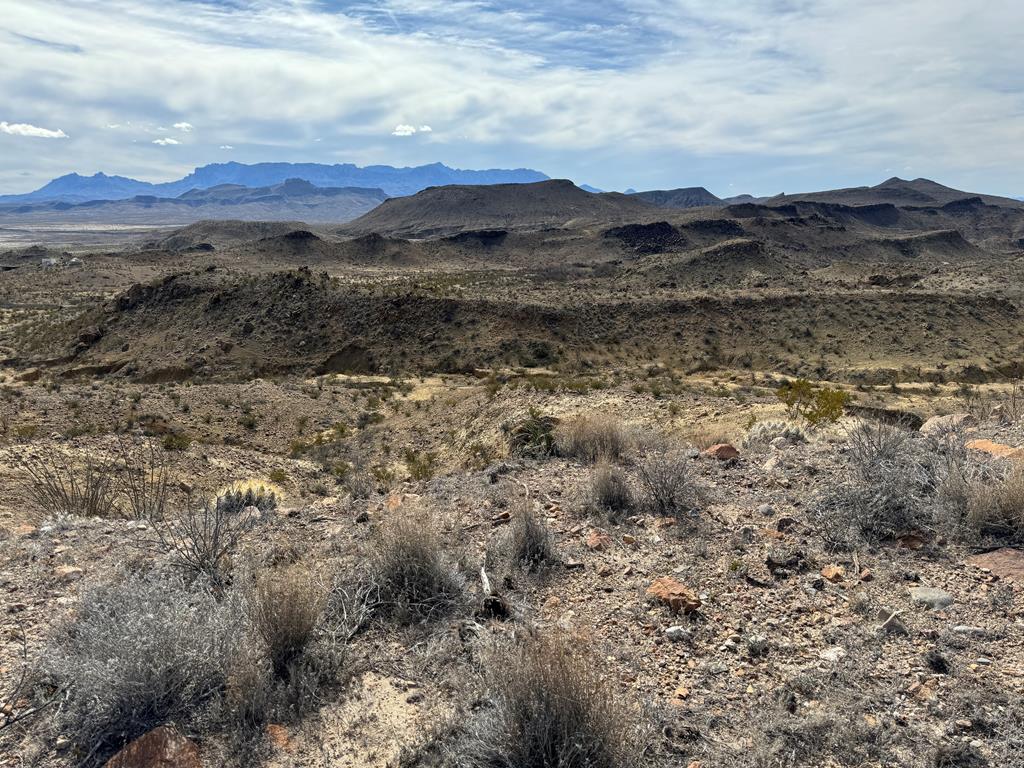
{"points": [[768, 95], [226, 146], [183, 127], [425, 129], [24, 129], [166, 142]]}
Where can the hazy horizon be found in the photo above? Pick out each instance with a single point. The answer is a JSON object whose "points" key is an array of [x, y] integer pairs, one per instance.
{"points": [[736, 97]]}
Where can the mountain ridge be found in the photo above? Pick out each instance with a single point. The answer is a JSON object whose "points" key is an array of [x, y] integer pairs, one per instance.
{"points": [[74, 187]]}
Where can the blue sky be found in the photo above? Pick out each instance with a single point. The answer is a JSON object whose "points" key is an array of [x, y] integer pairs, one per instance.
{"points": [[758, 96]]}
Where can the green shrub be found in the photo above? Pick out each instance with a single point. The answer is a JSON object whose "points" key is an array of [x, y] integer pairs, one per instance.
{"points": [[816, 405]]}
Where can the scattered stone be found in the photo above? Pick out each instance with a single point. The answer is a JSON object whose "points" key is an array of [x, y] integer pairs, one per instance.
{"points": [[833, 654], [68, 573], [677, 633], [629, 540], [766, 510], [962, 629], [1005, 563], [833, 573], [678, 597], [931, 597], [721, 451], [940, 425], [866, 575], [362, 517], [598, 540], [162, 747], [891, 624]]}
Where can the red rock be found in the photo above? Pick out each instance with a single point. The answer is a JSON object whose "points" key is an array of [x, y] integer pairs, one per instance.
{"points": [[998, 450], [1006, 563], [163, 747], [721, 451], [279, 737], [833, 573], [598, 540], [678, 597]]}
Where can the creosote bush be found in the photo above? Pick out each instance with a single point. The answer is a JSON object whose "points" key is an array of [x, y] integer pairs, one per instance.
{"points": [[592, 438], [546, 705], [409, 570], [818, 405]]}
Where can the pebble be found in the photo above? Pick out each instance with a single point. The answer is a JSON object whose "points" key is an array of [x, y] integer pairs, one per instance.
{"points": [[677, 633], [933, 598]]}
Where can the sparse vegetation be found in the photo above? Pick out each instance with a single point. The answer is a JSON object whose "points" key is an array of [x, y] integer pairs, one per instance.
{"points": [[139, 653], [592, 438], [529, 540], [664, 483], [816, 405], [410, 574], [609, 492], [62, 487], [546, 703]]}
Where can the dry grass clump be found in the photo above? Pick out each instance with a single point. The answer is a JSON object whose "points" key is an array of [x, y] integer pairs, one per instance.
{"points": [[665, 485], [409, 570], [139, 653], [547, 704], [529, 540], [997, 508], [285, 608], [592, 438], [609, 492]]}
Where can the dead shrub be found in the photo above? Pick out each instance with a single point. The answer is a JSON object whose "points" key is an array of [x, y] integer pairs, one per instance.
{"points": [[284, 609], [143, 479], [609, 492], [200, 541], [61, 488], [665, 485], [592, 438], [409, 570], [547, 704], [529, 541]]}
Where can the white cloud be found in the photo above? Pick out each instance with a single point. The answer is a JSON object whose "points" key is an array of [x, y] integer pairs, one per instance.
{"points": [[782, 85], [183, 127], [226, 146], [166, 142], [24, 129], [425, 129]]}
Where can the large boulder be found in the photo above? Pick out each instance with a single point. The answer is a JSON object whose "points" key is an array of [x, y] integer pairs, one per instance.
{"points": [[940, 425]]}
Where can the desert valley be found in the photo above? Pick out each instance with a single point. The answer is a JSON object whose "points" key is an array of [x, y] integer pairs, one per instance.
{"points": [[505, 472]]}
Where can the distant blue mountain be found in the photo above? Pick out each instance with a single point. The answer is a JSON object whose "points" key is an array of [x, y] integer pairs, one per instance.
{"points": [[395, 182]]}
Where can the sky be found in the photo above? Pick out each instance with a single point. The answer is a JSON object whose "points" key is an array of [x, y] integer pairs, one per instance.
{"points": [[755, 96]]}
